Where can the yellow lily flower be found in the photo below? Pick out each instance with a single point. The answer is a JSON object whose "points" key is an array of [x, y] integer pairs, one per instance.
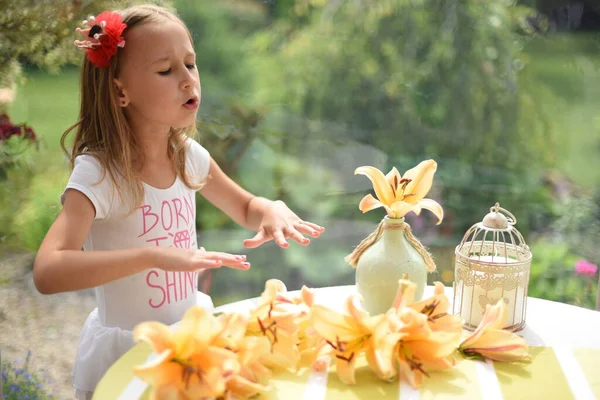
{"points": [[400, 195], [188, 364], [351, 334], [309, 342], [489, 340], [278, 321], [428, 334], [436, 307], [253, 376]]}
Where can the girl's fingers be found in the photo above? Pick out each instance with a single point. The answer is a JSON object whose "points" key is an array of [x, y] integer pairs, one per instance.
{"points": [[241, 266], [256, 241], [307, 230], [279, 238], [297, 237], [214, 259], [314, 226], [218, 263], [226, 257], [207, 264]]}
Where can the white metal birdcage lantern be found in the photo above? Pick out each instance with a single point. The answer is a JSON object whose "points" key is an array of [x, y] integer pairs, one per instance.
{"points": [[492, 262]]}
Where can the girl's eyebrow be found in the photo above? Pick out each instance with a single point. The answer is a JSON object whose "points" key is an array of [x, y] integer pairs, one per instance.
{"points": [[166, 58]]}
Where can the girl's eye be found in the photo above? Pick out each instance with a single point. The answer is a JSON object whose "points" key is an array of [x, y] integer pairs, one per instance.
{"points": [[165, 72], [190, 66]]}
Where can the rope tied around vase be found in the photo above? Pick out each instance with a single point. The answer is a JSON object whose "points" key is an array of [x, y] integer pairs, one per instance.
{"points": [[367, 242]]}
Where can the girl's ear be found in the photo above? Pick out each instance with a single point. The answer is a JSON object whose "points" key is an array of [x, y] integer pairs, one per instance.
{"points": [[122, 99]]}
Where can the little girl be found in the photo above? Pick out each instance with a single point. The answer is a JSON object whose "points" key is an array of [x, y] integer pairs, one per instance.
{"points": [[130, 200]]}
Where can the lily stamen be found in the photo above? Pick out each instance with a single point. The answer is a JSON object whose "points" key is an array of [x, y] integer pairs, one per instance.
{"points": [[430, 308], [407, 196], [437, 316], [188, 372], [270, 328], [416, 365], [341, 345], [394, 185], [347, 359], [331, 344]]}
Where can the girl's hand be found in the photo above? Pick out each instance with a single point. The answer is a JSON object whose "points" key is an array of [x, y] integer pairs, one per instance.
{"points": [[280, 223], [176, 259]]}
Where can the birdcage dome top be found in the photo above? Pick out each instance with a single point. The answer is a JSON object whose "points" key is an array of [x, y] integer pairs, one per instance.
{"points": [[494, 240]]}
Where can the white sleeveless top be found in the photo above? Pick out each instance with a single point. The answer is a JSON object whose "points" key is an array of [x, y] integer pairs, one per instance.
{"points": [[167, 217]]}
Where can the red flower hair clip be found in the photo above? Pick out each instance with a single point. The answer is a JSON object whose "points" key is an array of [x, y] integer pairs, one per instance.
{"points": [[102, 37]]}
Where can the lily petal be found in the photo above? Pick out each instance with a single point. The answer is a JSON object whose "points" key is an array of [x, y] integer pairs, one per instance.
{"points": [[439, 364], [362, 320], [308, 296], [432, 206], [284, 353], [413, 376], [186, 337], [167, 392], [157, 334], [209, 385], [421, 180], [345, 370], [495, 317], [500, 345], [272, 288], [243, 388], [382, 189], [491, 341], [160, 371], [393, 177], [380, 353], [226, 360], [437, 345], [405, 294], [401, 208], [252, 347], [369, 203], [332, 325]]}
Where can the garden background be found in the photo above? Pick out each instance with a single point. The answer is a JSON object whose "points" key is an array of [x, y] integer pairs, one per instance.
{"points": [[296, 95]]}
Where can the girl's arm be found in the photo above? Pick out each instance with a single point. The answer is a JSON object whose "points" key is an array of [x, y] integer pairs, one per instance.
{"points": [[272, 220], [61, 266]]}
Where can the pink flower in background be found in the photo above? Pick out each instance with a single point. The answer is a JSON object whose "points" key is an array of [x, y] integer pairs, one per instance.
{"points": [[583, 267]]}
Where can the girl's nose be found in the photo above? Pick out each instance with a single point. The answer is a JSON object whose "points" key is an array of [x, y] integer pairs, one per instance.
{"points": [[188, 80]]}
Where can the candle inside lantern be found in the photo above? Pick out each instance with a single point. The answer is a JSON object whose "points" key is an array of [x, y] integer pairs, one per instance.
{"points": [[476, 297]]}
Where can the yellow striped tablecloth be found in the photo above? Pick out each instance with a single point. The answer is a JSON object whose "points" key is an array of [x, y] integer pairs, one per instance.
{"points": [[565, 350]]}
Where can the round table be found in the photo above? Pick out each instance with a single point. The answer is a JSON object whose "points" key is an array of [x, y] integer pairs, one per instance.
{"points": [[565, 344]]}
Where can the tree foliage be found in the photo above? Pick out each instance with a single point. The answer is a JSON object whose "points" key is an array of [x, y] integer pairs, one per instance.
{"points": [[416, 79]]}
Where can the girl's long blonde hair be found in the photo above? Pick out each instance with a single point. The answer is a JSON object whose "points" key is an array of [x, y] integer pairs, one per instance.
{"points": [[102, 129]]}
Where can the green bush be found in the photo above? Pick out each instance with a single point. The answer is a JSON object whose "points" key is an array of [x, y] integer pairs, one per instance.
{"points": [[20, 383], [553, 275], [579, 224], [416, 80], [40, 208], [18, 143]]}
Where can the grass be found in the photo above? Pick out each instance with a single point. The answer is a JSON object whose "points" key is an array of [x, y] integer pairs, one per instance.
{"points": [[49, 103], [570, 66]]}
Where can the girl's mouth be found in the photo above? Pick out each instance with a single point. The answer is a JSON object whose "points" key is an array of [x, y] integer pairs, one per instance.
{"points": [[192, 103]]}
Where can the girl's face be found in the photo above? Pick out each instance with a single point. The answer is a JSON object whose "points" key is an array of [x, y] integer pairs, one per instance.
{"points": [[158, 81]]}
